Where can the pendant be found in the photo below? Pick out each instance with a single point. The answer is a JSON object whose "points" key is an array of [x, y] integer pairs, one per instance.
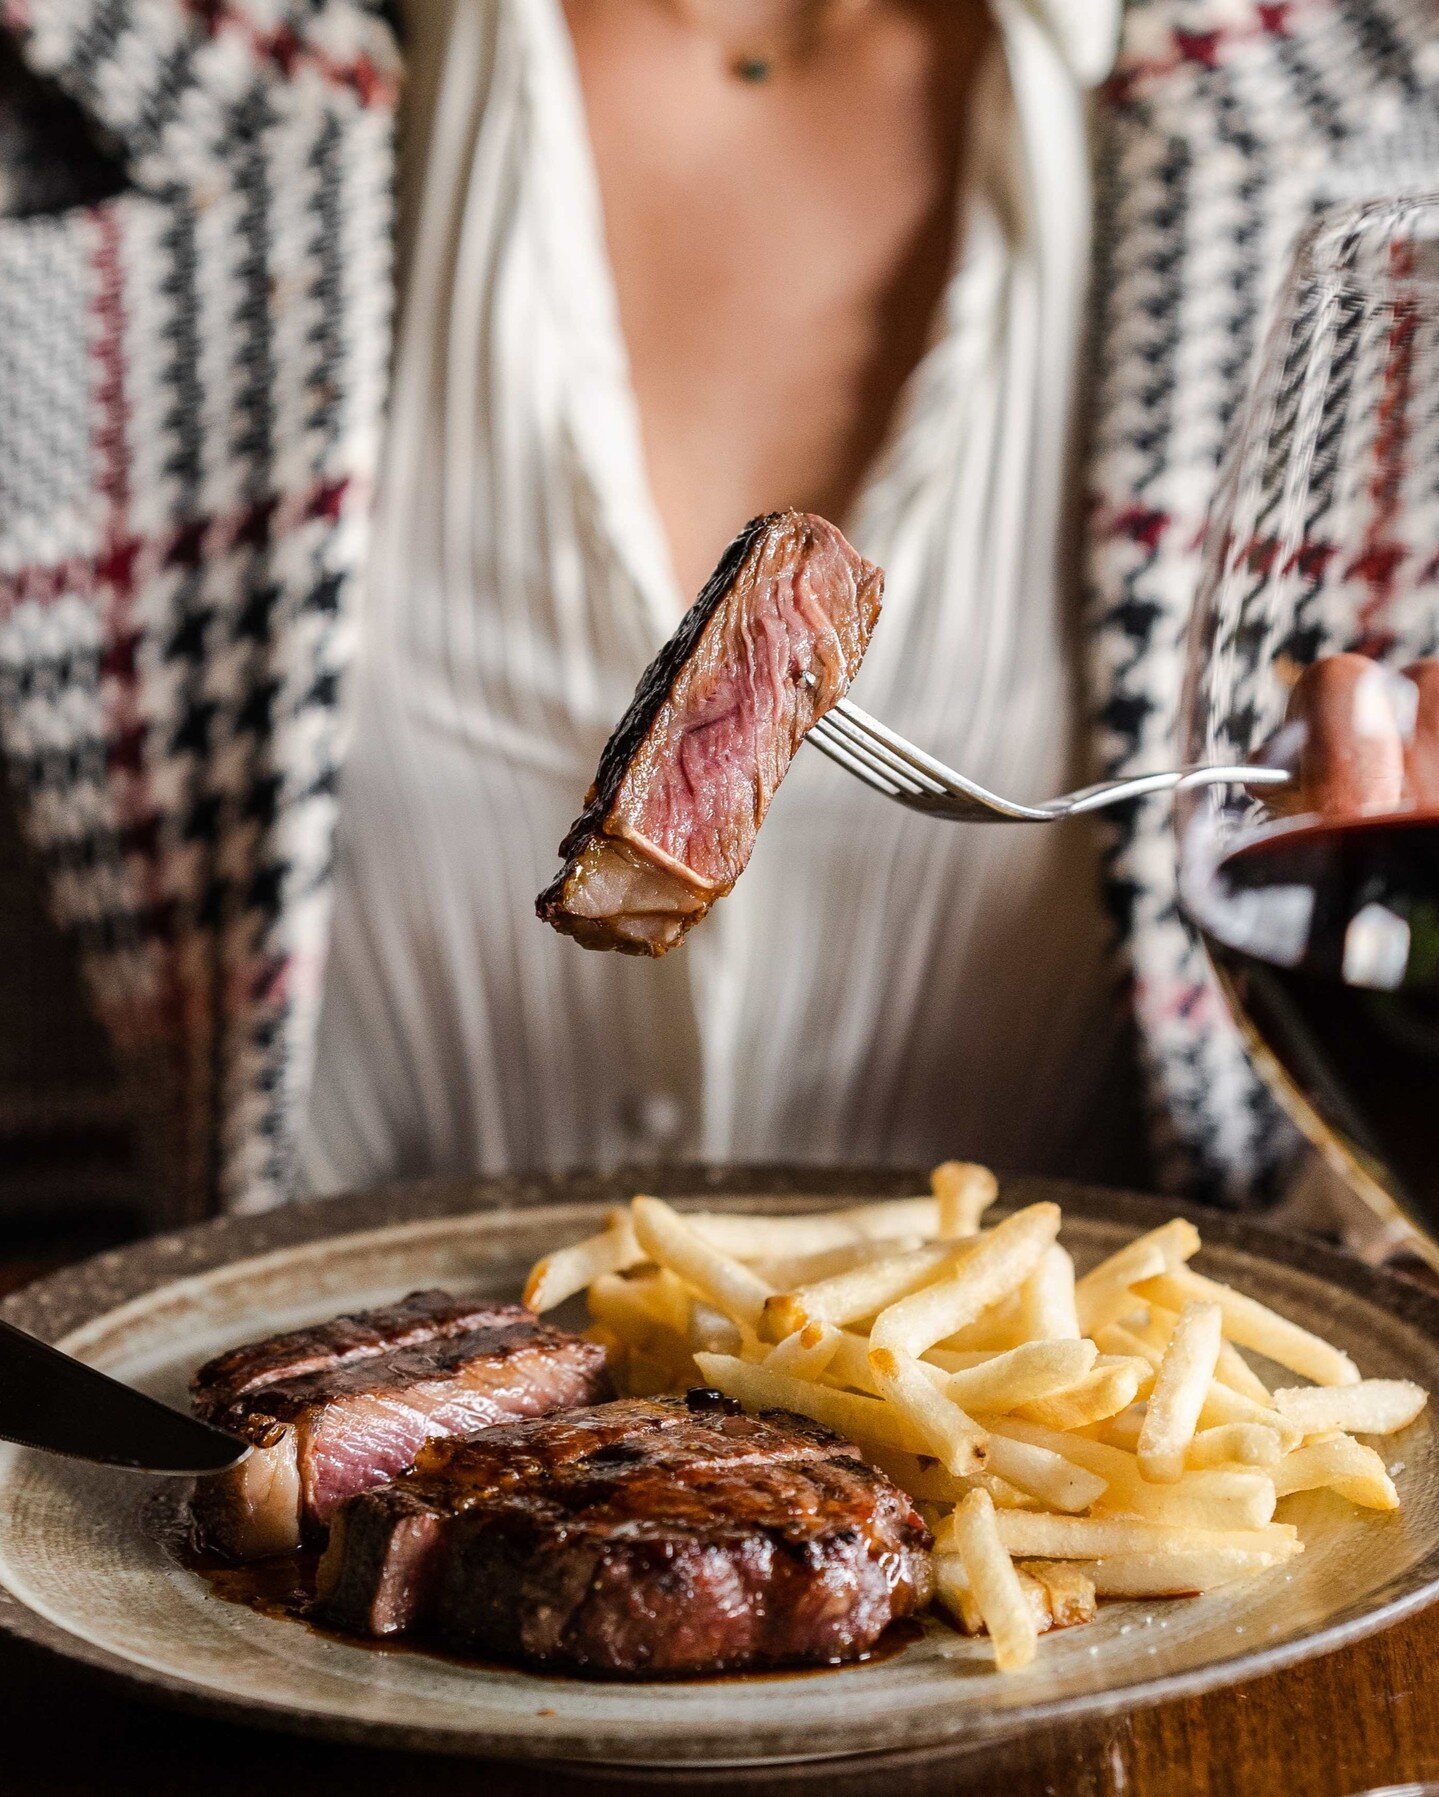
{"points": [[753, 69]]}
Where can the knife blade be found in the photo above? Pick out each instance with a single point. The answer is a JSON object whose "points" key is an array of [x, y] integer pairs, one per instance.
{"points": [[52, 1401]]}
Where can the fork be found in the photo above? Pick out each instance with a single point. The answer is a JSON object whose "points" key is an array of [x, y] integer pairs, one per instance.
{"points": [[886, 762]]}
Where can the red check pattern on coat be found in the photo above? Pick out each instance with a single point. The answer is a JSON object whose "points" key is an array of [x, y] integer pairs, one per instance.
{"points": [[192, 378]]}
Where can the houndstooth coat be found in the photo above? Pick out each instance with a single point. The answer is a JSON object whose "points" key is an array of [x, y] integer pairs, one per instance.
{"points": [[195, 303]]}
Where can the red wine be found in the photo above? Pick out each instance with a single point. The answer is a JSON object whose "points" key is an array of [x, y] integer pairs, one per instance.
{"points": [[1326, 937]]}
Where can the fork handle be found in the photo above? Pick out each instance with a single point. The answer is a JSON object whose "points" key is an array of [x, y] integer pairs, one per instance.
{"points": [[1115, 792]]}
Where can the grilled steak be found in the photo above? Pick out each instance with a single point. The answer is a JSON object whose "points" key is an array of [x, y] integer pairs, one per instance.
{"points": [[650, 1536], [685, 781], [343, 1406]]}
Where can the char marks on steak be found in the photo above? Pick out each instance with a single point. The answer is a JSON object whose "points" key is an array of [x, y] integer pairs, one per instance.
{"points": [[683, 785], [648, 1536], [340, 1407], [421, 1317]]}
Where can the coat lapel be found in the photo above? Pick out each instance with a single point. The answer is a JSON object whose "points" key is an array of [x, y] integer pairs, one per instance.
{"points": [[201, 368]]}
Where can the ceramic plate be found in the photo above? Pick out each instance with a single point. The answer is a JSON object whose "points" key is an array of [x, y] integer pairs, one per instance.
{"points": [[88, 1569]]}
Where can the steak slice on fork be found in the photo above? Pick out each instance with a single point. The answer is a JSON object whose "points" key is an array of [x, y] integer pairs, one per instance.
{"points": [[683, 785]]}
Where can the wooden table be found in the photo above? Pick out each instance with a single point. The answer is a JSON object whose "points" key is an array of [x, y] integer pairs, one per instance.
{"points": [[1366, 1716]]}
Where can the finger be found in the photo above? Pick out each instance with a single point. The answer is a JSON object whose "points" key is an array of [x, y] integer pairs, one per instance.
{"points": [[1353, 756], [1421, 752]]}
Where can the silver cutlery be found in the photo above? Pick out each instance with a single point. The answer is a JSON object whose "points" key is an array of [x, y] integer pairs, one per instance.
{"points": [[50, 1400], [890, 765]]}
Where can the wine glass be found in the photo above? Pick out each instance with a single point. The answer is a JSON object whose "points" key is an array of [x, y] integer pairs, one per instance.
{"points": [[1319, 901]]}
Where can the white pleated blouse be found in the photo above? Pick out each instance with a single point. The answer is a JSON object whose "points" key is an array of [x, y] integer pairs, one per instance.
{"points": [[877, 987]]}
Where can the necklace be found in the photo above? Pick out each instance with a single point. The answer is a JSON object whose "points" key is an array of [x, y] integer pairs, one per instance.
{"points": [[787, 40]]}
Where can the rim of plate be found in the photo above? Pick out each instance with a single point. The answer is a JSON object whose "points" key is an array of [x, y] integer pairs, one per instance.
{"points": [[92, 1291]]}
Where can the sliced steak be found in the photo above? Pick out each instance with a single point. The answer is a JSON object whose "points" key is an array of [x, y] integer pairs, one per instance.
{"points": [[343, 1406], [421, 1317], [684, 783], [649, 1536]]}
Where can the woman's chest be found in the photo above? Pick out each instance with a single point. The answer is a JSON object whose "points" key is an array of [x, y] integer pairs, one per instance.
{"points": [[778, 249]]}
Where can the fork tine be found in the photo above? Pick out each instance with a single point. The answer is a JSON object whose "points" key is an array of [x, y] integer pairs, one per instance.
{"points": [[864, 742], [894, 772], [832, 746], [899, 747]]}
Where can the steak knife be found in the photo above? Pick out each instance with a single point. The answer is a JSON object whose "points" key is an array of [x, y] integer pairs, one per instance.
{"points": [[52, 1401]]}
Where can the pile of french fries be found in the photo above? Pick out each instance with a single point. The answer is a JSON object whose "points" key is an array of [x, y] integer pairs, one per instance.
{"points": [[1067, 1438]]}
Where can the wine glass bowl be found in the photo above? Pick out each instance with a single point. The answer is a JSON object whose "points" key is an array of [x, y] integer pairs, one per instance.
{"points": [[1313, 645]]}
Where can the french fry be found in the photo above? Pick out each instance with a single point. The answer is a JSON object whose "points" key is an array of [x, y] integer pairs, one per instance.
{"points": [[1122, 1431], [1005, 1495], [1340, 1464], [1155, 1328], [1234, 1444], [1046, 1299], [859, 1293], [954, 1591], [569, 1270], [1116, 1342], [712, 1330], [863, 1419], [1249, 1324], [1032, 1535], [1126, 1344], [610, 1340], [616, 1301], [1235, 1371], [886, 1219], [994, 1582], [726, 1283], [1373, 1407], [1099, 1302], [1050, 1476], [664, 1296], [1180, 1388], [806, 1353], [994, 1265], [1068, 1590], [1037, 1598], [850, 1365], [1177, 1241], [828, 1263], [1103, 1393], [926, 1480], [1225, 1405], [964, 1192], [1000, 1326], [1174, 1572], [757, 1238], [957, 1360], [954, 1439], [1218, 1499], [1007, 1379], [1103, 1294]]}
